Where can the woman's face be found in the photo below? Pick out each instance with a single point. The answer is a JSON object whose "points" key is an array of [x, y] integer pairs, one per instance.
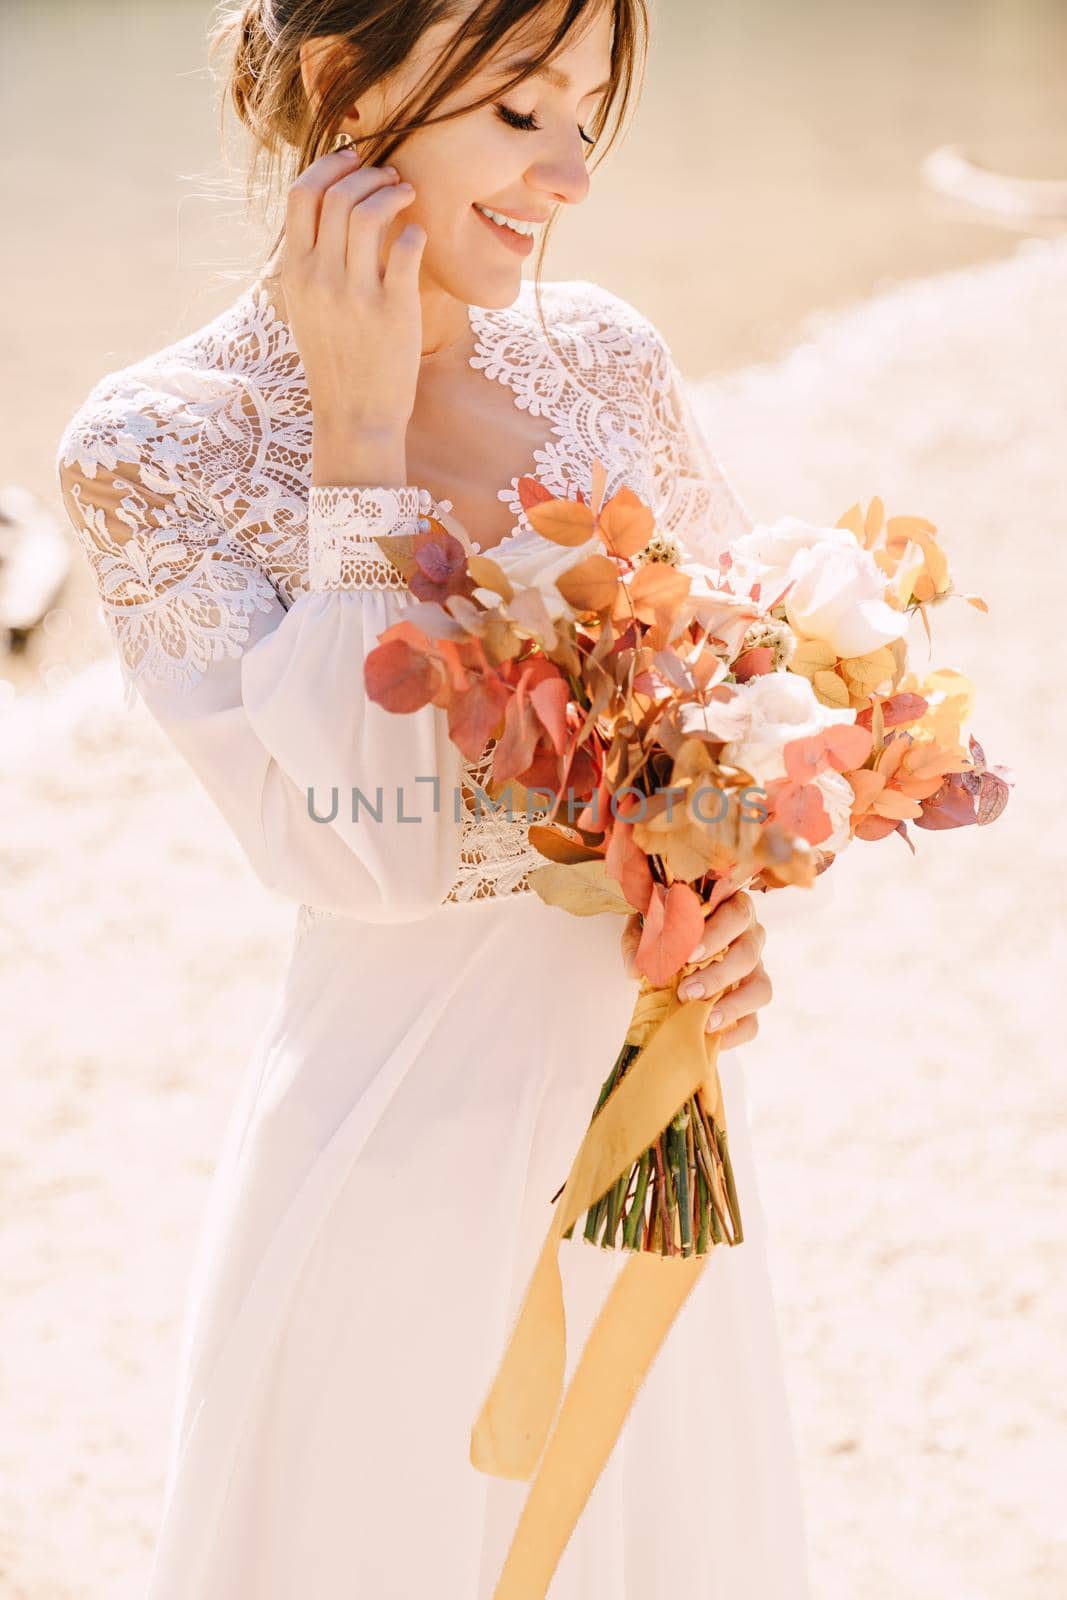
{"points": [[521, 164]]}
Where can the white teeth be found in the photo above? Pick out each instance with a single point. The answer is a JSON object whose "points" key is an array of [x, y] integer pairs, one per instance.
{"points": [[526, 228]]}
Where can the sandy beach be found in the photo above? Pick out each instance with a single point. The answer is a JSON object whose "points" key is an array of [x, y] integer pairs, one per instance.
{"points": [[846, 333], [908, 1105]]}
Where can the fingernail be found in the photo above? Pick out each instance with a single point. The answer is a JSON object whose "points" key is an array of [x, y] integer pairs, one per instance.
{"points": [[714, 1018], [692, 989], [700, 952]]}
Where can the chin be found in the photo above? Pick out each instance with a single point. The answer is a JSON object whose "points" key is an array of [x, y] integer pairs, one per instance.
{"points": [[493, 290], [496, 295]]}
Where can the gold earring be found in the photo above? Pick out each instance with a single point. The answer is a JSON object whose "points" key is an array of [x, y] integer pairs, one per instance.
{"points": [[344, 141]]}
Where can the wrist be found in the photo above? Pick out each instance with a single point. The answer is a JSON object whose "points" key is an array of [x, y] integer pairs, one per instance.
{"points": [[347, 453]]}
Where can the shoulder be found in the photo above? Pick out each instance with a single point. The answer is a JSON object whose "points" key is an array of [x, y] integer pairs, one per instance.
{"points": [[152, 412], [125, 421], [580, 304]]}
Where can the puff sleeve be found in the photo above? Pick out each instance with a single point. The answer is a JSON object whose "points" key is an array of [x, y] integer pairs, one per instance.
{"points": [[336, 802]]}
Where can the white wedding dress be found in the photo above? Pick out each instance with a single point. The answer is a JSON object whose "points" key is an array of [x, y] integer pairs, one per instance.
{"points": [[432, 1061]]}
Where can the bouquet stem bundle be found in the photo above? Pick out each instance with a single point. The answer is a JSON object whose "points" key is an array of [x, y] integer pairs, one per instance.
{"points": [[679, 1197]]}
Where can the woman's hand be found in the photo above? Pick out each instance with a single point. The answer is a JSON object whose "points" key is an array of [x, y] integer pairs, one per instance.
{"points": [[355, 314], [734, 928]]}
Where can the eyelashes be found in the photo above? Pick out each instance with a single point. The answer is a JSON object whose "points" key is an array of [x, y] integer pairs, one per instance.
{"points": [[528, 122]]}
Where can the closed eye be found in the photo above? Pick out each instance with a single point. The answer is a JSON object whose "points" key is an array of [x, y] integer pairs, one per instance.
{"points": [[528, 122]]}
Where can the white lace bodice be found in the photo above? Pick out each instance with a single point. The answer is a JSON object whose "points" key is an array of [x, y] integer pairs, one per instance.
{"points": [[186, 476]]}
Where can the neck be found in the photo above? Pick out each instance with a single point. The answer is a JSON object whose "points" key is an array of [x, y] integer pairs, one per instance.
{"points": [[445, 323]]}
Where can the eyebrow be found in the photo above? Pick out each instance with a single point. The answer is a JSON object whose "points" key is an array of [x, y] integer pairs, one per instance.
{"points": [[554, 76]]}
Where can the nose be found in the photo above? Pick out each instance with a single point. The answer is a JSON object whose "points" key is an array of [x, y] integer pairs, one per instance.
{"points": [[564, 177]]}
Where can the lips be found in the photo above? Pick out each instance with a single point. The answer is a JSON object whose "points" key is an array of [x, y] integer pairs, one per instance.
{"points": [[520, 243]]}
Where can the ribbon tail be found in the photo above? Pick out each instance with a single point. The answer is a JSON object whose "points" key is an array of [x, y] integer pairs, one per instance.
{"points": [[511, 1429], [632, 1324]]}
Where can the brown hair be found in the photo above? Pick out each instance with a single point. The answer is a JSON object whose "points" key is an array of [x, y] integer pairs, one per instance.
{"points": [[266, 89]]}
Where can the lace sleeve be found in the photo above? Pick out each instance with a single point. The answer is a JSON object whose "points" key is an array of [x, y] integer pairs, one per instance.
{"points": [[696, 501], [267, 702]]}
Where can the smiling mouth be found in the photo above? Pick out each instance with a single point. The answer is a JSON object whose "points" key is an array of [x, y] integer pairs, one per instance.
{"points": [[512, 225]]}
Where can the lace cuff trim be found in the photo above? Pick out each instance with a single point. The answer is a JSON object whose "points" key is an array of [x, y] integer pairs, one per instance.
{"points": [[343, 523]]}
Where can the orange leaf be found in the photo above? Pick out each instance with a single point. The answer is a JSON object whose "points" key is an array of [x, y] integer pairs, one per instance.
{"points": [[674, 924], [550, 698], [598, 483], [590, 585], [516, 745], [847, 746], [562, 522], [532, 493], [891, 803], [475, 716], [400, 677], [799, 807], [657, 587], [754, 663], [628, 864], [866, 787], [626, 523]]}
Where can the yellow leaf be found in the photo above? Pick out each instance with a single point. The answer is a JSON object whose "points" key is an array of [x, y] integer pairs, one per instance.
{"points": [[487, 574], [877, 721], [853, 521], [812, 656], [976, 601], [874, 523], [868, 671], [560, 847], [830, 690], [900, 529], [583, 888]]}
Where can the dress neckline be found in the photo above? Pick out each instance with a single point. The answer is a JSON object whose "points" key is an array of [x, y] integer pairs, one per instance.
{"points": [[481, 324]]}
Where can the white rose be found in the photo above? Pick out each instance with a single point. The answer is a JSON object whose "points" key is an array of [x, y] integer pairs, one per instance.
{"points": [[536, 564], [838, 588], [782, 706], [837, 796]]}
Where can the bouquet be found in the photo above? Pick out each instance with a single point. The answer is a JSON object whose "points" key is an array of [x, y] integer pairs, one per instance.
{"points": [[675, 734]]}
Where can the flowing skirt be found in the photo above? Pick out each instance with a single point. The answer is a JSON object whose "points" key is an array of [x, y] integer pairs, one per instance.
{"points": [[384, 1186]]}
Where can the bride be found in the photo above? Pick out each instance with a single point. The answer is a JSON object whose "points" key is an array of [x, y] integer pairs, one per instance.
{"points": [[415, 1098]]}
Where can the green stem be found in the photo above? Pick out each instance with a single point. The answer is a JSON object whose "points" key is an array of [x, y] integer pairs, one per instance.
{"points": [[704, 1211], [707, 1166], [731, 1189], [681, 1162], [636, 1214], [691, 1163]]}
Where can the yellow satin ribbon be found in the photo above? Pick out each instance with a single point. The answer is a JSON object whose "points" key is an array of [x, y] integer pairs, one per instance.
{"points": [[508, 1439]]}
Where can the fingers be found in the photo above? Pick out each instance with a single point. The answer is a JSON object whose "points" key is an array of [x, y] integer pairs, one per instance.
{"points": [[367, 225], [335, 201], [742, 1032], [405, 256], [726, 923], [304, 199], [355, 214], [740, 959], [751, 994]]}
